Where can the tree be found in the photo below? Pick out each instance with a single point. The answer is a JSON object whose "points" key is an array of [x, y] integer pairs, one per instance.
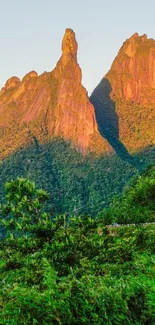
{"points": [[24, 207], [137, 204]]}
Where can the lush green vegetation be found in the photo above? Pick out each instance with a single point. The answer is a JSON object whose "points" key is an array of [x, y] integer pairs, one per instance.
{"points": [[76, 270], [137, 204], [76, 184]]}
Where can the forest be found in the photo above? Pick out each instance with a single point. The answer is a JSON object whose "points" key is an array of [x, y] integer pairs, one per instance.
{"points": [[79, 269], [76, 184]]}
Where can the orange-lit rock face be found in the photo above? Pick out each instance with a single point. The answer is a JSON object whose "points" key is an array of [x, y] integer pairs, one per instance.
{"points": [[69, 43], [125, 98], [31, 74], [54, 104], [75, 118], [12, 82], [132, 74]]}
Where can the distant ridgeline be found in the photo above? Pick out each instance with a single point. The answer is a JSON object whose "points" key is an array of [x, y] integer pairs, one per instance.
{"points": [[81, 151]]}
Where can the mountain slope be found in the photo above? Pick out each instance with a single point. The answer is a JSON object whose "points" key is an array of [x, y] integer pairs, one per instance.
{"points": [[132, 74], [54, 104], [124, 100], [50, 132]]}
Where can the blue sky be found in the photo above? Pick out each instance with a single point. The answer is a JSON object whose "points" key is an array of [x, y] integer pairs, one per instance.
{"points": [[31, 32]]}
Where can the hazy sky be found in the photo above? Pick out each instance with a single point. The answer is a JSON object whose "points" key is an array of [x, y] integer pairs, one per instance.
{"points": [[31, 32]]}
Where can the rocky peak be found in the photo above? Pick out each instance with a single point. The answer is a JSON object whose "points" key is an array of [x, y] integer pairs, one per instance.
{"points": [[54, 104], [133, 43], [68, 59], [124, 100], [31, 74], [12, 83], [132, 74], [75, 119], [69, 43]]}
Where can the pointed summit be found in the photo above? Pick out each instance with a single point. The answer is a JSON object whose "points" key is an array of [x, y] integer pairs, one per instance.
{"points": [[75, 119], [69, 43], [135, 35], [52, 105]]}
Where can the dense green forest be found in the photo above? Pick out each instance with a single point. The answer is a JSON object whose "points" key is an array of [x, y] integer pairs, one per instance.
{"points": [[77, 184], [77, 270]]}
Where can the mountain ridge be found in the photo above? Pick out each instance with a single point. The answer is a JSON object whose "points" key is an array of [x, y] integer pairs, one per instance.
{"points": [[124, 99], [82, 151], [134, 70], [56, 102]]}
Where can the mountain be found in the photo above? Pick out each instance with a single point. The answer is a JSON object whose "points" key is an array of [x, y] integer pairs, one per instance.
{"points": [[124, 100], [51, 105], [132, 74], [82, 151]]}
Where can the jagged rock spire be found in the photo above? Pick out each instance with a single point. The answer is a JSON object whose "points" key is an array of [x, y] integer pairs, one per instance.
{"points": [[69, 43], [55, 102]]}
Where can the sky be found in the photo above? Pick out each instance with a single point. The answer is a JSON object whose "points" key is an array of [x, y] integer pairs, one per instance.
{"points": [[31, 33]]}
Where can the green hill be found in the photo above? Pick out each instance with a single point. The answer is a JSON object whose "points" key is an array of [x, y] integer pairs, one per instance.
{"points": [[76, 270]]}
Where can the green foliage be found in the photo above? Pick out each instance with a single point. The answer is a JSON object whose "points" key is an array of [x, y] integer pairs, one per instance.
{"points": [[137, 204], [76, 184], [72, 270], [23, 208]]}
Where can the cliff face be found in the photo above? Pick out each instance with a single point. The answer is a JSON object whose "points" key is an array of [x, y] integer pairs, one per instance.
{"points": [[75, 118], [124, 100], [54, 104], [132, 74]]}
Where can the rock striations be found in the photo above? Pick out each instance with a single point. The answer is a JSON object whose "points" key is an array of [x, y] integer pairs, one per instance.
{"points": [[124, 100], [132, 74], [48, 106], [56, 105], [75, 118]]}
